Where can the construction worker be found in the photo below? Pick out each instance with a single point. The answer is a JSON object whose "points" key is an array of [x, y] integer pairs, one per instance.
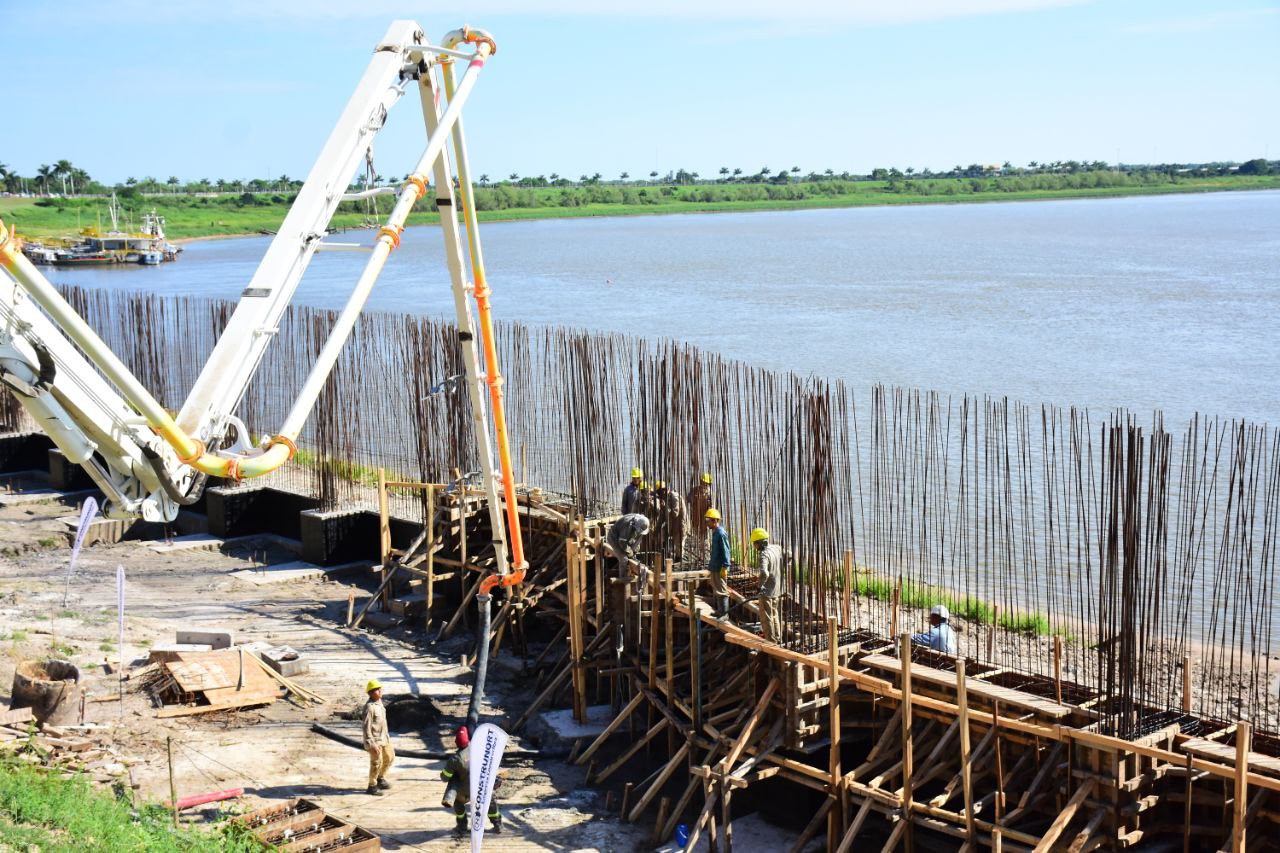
{"points": [[457, 773], [699, 497], [624, 539], [377, 741], [940, 637], [671, 521], [631, 494], [772, 566], [718, 564]]}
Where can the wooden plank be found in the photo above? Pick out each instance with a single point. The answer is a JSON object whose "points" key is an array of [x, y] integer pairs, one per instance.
{"points": [[904, 649], [659, 781], [22, 715], [1223, 752], [846, 843], [195, 676], [611, 728], [1241, 795], [242, 702], [630, 753], [836, 829], [1064, 817], [992, 692], [749, 726]]}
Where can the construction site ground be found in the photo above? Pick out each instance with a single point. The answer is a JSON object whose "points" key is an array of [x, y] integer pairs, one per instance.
{"points": [[272, 752]]}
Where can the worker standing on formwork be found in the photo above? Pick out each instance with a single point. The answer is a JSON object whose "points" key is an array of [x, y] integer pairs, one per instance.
{"points": [[377, 740], [631, 494], [671, 522], [457, 773], [772, 565], [698, 501], [940, 637], [718, 564]]}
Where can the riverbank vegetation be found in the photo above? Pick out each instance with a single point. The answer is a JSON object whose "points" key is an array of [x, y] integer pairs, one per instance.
{"points": [[200, 214]]}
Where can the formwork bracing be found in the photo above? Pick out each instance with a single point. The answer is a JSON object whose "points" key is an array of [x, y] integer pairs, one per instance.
{"points": [[1111, 579]]}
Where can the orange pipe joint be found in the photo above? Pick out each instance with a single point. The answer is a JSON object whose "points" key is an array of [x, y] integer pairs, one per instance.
{"points": [[508, 580]]}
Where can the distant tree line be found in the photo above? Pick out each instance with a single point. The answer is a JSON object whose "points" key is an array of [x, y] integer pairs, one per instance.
{"points": [[64, 179]]}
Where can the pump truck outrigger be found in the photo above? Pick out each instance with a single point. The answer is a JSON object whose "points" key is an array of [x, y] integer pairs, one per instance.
{"points": [[147, 462]]}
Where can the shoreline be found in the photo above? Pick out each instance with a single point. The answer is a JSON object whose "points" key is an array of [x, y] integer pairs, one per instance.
{"points": [[547, 214], [672, 208]]}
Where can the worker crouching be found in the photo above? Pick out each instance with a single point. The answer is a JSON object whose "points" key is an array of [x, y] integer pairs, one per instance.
{"points": [[457, 773], [377, 740]]}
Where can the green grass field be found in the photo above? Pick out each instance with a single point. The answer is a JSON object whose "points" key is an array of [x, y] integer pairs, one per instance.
{"points": [[200, 216], [47, 812]]}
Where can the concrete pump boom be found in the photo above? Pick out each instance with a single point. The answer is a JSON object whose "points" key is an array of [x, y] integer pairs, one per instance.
{"points": [[149, 463]]}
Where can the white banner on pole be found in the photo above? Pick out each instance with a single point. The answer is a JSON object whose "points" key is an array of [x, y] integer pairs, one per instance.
{"points": [[87, 512], [487, 745], [120, 615]]}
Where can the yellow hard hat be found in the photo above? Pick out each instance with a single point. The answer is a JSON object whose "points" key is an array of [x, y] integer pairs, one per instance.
{"points": [[759, 535], [374, 684], [636, 472], [706, 478], [658, 484], [713, 513], [644, 484]]}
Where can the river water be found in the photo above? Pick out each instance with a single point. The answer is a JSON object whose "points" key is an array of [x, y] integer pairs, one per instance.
{"points": [[1164, 302]]}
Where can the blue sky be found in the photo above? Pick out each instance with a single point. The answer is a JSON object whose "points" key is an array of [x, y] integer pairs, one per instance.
{"points": [[251, 89]]}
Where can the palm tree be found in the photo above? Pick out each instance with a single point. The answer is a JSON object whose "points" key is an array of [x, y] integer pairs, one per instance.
{"points": [[555, 176], [173, 182], [795, 170], [830, 173], [582, 179], [764, 171], [44, 173], [484, 180], [653, 176], [623, 176], [513, 177], [724, 170], [736, 173]]}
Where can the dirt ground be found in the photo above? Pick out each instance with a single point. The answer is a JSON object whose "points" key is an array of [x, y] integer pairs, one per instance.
{"points": [[272, 752]]}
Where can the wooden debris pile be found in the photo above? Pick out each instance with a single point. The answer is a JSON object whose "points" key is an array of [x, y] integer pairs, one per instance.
{"points": [[65, 750], [301, 825], [204, 682]]}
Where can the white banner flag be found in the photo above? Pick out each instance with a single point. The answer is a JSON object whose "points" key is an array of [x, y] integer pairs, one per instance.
{"points": [[87, 512], [487, 745]]}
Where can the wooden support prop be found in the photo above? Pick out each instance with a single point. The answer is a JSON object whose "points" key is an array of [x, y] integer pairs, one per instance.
{"points": [[626, 798], [555, 685], [384, 519], [664, 808], [904, 645], [995, 727], [1064, 817], [1082, 838], [895, 606], [704, 817], [431, 551], [1186, 684], [462, 606], [1238, 825], [846, 843], [658, 782], [1186, 814], [653, 621], [668, 626], [632, 750], [991, 632], [750, 725], [573, 568], [846, 604], [611, 728], [351, 607], [903, 828], [387, 576], [695, 660], [836, 828], [812, 826], [1057, 668]]}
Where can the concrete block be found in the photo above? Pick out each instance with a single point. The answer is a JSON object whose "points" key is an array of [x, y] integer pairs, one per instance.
{"points": [[170, 651], [330, 537], [411, 606], [213, 637], [286, 661], [65, 474], [379, 621]]}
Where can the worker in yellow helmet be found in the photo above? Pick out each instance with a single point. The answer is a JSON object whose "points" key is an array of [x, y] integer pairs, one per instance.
{"points": [[377, 740], [772, 566], [670, 516], [631, 494], [718, 564], [699, 501]]}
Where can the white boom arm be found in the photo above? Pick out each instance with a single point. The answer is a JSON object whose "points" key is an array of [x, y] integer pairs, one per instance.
{"points": [[148, 463]]}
